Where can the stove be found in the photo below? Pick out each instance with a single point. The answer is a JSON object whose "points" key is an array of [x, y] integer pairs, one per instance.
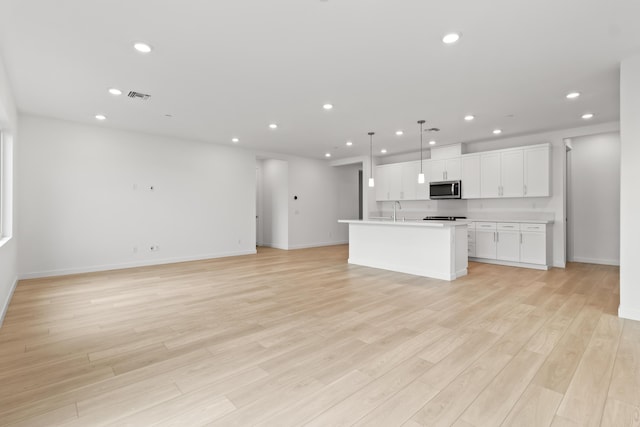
{"points": [[443, 218]]}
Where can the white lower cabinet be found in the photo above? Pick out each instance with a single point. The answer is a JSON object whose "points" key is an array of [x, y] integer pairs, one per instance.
{"points": [[519, 244]]}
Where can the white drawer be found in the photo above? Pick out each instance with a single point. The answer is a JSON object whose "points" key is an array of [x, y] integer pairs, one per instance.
{"points": [[471, 226], [508, 226], [533, 227], [486, 226]]}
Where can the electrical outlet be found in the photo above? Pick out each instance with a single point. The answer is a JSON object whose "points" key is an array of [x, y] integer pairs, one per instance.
{"points": [[154, 248], [135, 249]]}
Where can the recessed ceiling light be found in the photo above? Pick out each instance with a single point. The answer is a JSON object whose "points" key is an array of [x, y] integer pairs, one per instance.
{"points": [[399, 133], [101, 117], [235, 140], [587, 116], [383, 151], [142, 47], [432, 143], [573, 95], [273, 126], [451, 38], [349, 143], [327, 154], [469, 117], [327, 106], [114, 91], [497, 131]]}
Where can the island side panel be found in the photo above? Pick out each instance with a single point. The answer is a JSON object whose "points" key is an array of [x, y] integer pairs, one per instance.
{"points": [[423, 251], [461, 246]]}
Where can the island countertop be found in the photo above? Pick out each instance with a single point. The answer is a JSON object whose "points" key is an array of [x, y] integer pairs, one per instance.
{"points": [[408, 223]]}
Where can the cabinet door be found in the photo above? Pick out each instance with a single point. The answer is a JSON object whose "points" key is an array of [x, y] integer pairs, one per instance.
{"points": [[508, 246], [394, 176], [489, 175], [512, 174], [437, 170], [422, 190], [453, 169], [409, 180], [485, 244], [533, 248], [471, 177], [381, 183], [536, 172]]}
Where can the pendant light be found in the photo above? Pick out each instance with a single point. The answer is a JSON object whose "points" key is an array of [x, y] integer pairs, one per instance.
{"points": [[371, 183], [421, 174]]}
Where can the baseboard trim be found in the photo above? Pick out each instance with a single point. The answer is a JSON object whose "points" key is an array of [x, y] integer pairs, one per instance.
{"points": [[318, 245], [5, 305], [509, 263], [629, 313], [596, 261], [120, 266]]}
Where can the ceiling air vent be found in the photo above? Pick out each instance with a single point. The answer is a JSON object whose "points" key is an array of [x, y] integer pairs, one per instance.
{"points": [[138, 95]]}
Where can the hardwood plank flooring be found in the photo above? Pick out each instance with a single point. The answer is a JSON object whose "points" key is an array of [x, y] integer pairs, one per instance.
{"points": [[291, 338]]}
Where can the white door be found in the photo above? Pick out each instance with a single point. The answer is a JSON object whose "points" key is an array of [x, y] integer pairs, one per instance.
{"points": [[394, 177], [512, 174], [453, 169], [536, 172], [437, 170], [533, 248], [410, 172], [471, 177], [485, 244], [381, 183], [490, 175], [508, 246]]}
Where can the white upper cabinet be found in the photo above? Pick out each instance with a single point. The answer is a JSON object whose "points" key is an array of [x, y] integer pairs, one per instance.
{"points": [[536, 171], [512, 173], [471, 176], [446, 169], [502, 174], [489, 175]]}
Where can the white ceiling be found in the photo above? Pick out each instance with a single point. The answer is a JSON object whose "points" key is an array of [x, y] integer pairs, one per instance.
{"points": [[228, 68]]}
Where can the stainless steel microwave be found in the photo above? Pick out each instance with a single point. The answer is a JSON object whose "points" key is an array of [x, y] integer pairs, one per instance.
{"points": [[445, 190]]}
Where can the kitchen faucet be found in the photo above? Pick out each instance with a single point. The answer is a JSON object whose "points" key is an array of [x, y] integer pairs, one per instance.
{"points": [[394, 209]]}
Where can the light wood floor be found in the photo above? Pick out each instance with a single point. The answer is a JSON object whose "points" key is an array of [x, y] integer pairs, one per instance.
{"points": [[302, 338]]}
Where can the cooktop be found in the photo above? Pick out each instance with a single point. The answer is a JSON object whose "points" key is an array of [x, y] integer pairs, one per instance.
{"points": [[443, 218]]}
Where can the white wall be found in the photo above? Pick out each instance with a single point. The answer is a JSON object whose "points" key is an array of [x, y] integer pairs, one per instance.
{"points": [[275, 203], [8, 242], [629, 194], [593, 199], [85, 201]]}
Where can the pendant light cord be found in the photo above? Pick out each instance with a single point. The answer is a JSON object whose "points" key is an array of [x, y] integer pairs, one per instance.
{"points": [[421, 122], [371, 154]]}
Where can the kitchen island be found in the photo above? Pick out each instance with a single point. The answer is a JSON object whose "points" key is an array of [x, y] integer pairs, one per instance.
{"points": [[436, 249]]}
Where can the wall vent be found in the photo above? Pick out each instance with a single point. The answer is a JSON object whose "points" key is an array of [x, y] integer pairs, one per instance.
{"points": [[138, 95]]}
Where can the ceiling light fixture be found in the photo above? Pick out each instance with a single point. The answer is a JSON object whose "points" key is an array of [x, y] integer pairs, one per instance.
{"points": [[421, 174], [451, 38], [399, 133], [327, 154], [573, 95], [101, 117], [115, 92], [497, 131], [349, 143], [469, 117], [383, 151], [432, 143], [142, 47], [273, 126], [371, 183], [235, 140], [328, 106], [587, 116]]}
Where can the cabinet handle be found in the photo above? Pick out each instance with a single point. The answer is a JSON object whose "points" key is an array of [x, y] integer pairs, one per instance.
{"points": [[497, 237], [520, 238], [494, 236], [525, 190]]}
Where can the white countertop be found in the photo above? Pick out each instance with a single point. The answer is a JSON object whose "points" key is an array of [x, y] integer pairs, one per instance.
{"points": [[408, 223], [525, 221]]}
